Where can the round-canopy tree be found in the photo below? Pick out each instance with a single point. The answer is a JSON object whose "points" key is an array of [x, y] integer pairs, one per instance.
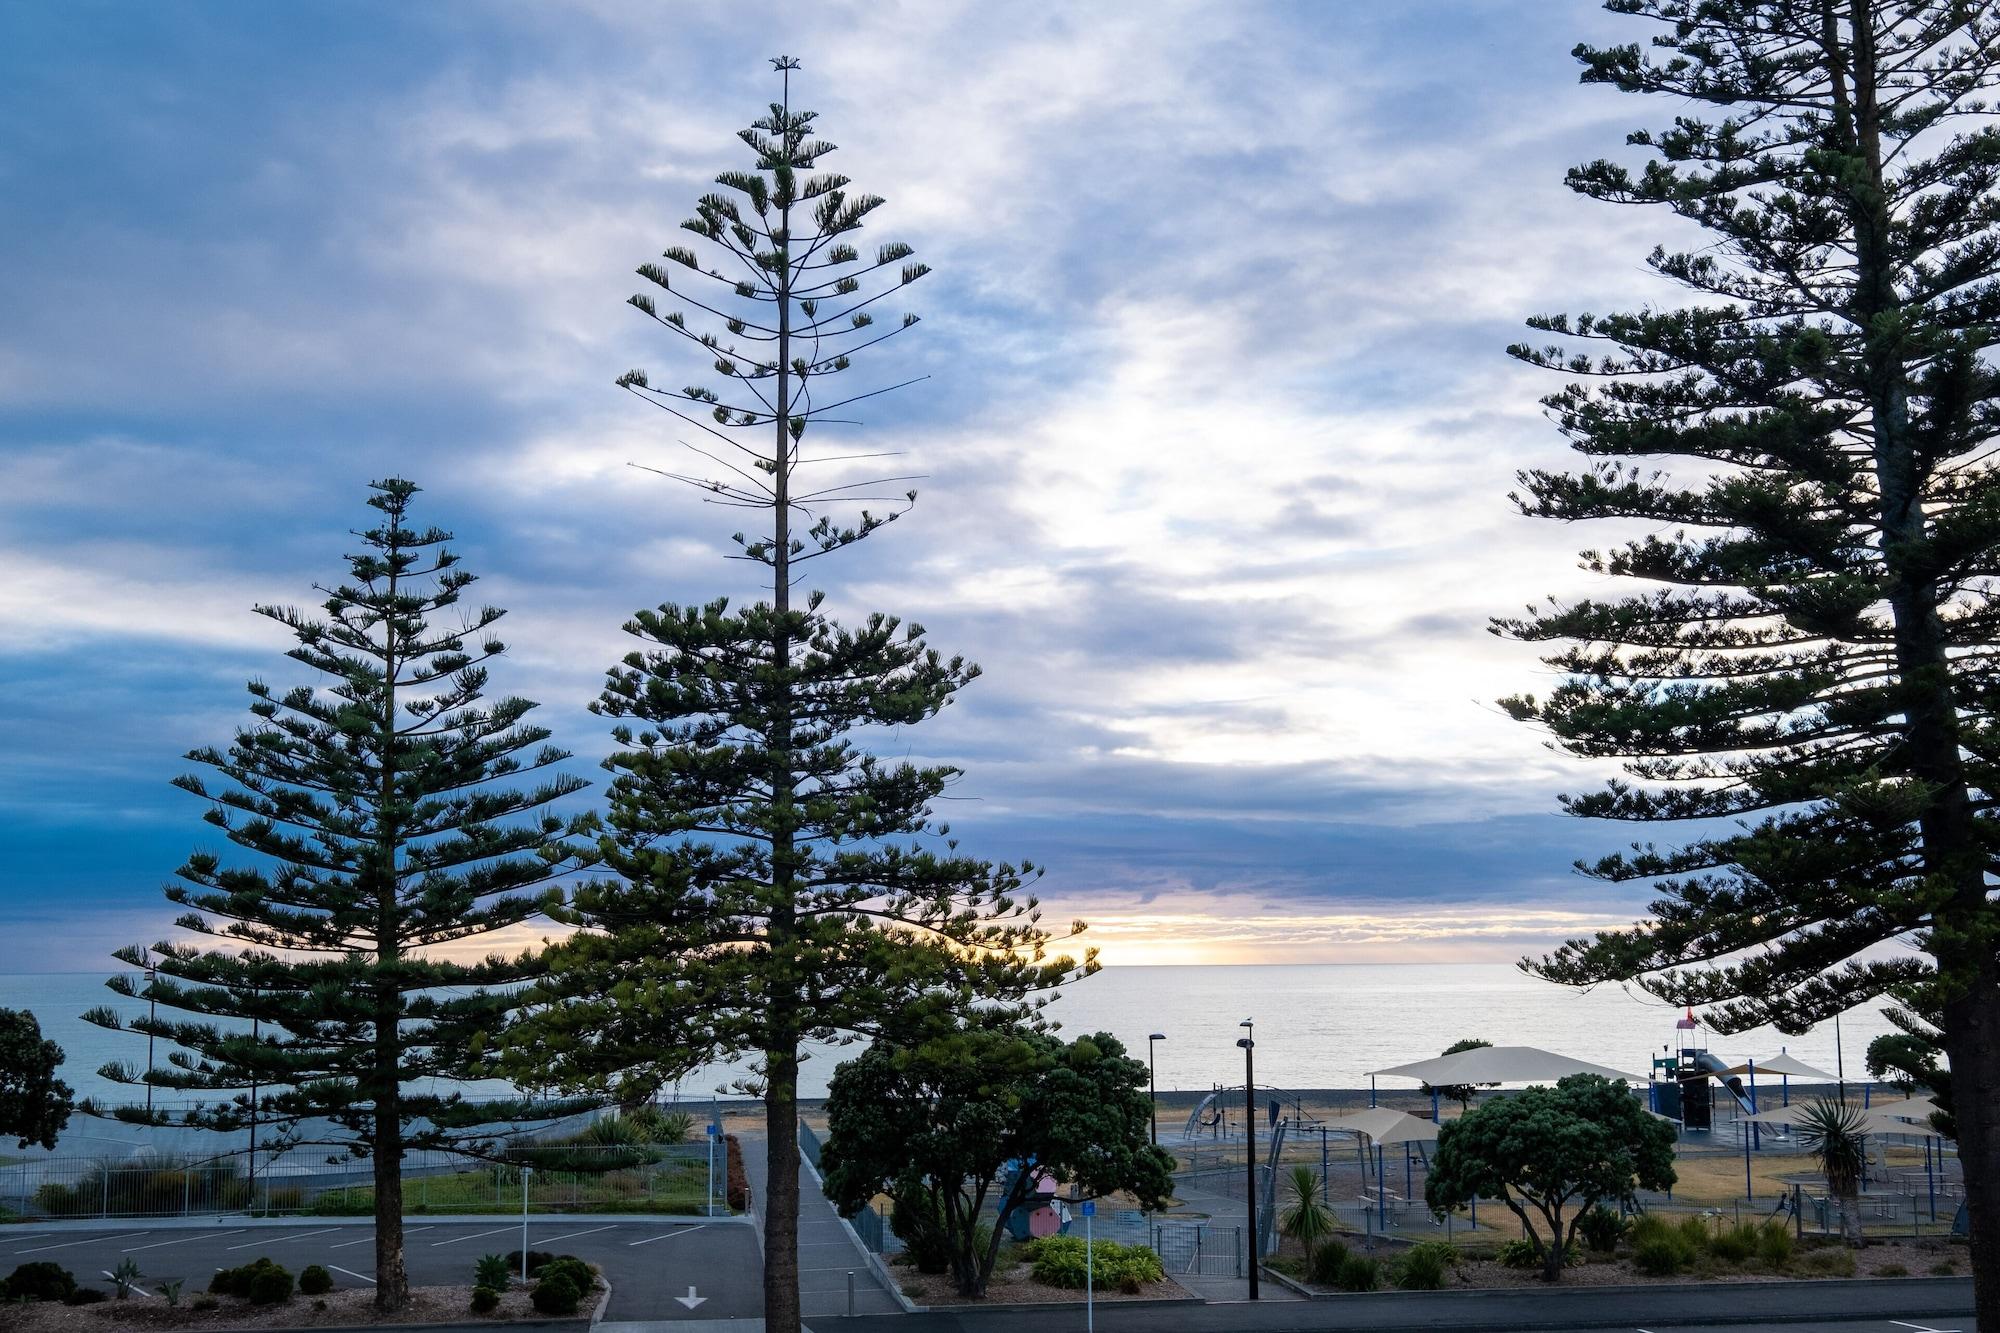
{"points": [[1556, 1151], [34, 1103]]}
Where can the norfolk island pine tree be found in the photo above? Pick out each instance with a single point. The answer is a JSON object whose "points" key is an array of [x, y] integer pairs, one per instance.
{"points": [[770, 884], [1813, 671], [383, 838]]}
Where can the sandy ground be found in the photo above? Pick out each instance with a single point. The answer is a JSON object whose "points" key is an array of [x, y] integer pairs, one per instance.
{"points": [[428, 1305]]}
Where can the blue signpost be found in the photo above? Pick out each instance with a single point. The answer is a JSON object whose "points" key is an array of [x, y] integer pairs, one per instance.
{"points": [[714, 1132], [1089, 1273]]}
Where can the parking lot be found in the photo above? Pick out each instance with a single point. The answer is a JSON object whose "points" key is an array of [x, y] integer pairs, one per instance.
{"points": [[655, 1268]]}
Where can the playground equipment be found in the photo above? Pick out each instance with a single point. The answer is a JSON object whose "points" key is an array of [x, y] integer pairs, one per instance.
{"points": [[1680, 1086], [1041, 1213], [1210, 1117]]}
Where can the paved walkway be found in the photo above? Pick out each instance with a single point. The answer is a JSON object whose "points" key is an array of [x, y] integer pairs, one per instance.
{"points": [[828, 1252]]}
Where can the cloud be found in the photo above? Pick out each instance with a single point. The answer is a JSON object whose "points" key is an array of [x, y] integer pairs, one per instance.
{"points": [[1215, 442]]}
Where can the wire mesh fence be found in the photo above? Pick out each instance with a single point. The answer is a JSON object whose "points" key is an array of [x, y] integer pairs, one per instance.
{"points": [[648, 1178]]}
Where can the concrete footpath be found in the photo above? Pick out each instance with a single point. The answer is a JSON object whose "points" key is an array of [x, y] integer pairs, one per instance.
{"points": [[1878, 1305], [828, 1252]]}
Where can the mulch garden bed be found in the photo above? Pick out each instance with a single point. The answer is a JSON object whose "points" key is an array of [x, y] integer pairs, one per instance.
{"points": [[428, 1305]]}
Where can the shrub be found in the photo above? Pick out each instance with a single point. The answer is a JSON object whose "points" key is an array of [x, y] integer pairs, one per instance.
{"points": [[1521, 1253], [493, 1272], [485, 1300], [658, 1126], [1892, 1270], [39, 1281], [555, 1295], [1830, 1263], [1601, 1229], [84, 1296], [315, 1281], [1058, 1261], [271, 1286], [171, 1291], [1425, 1266], [918, 1222], [1774, 1244], [125, 1277], [1734, 1244], [1662, 1251], [1943, 1268], [736, 1189], [203, 1304], [536, 1258], [262, 1282], [580, 1274], [1323, 1264], [1358, 1272]]}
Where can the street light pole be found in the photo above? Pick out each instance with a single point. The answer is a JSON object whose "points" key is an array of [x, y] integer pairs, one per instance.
{"points": [[1153, 1084], [1250, 1142]]}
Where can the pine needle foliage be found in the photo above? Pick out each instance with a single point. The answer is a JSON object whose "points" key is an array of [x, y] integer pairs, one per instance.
{"points": [[1808, 674], [775, 883], [333, 1007]]}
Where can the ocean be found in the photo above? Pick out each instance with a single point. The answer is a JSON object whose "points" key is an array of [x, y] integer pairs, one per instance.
{"points": [[1317, 1026]]}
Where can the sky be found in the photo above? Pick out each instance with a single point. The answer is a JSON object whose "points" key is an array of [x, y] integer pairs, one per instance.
{"points": [[1216, 435]]}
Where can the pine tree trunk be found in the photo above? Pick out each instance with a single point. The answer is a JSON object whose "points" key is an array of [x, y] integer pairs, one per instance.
{"points": [[1972, 1040], [781, 1194], [392, 1278]]}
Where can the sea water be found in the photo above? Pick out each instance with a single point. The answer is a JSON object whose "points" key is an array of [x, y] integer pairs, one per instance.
{"points": [[1317, 1026]]}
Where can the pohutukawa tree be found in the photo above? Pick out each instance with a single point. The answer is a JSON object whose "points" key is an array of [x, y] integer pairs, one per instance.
{"points": [[1810, 670], [774, 882], [388, 838]]}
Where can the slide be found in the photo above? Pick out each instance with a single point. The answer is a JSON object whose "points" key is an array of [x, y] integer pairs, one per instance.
{"points": [[1709, 1064]]}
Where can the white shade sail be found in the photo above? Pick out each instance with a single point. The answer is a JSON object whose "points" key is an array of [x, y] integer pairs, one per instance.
{"points": [[1500, 1064], [1874, 1120], [1779, 1064], [1383, 1125]]}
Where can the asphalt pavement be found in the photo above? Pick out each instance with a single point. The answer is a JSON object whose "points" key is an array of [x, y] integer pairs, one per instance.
{"points": [[658, 1270]]}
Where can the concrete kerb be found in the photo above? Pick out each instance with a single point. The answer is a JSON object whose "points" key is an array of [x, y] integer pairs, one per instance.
{"points": [[874, 1261], [1070, 1307], [597, 1315], [206, 1220], [1923, 1298]]}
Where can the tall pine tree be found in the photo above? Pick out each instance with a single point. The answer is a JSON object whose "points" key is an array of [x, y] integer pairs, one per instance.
{"points": [[385, 843], [772, 885], [1811, 671]]}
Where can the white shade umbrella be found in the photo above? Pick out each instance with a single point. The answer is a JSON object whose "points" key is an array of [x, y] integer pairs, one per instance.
{"points": [[1500, 1064], [1385, 1126], [1910, 1108]]}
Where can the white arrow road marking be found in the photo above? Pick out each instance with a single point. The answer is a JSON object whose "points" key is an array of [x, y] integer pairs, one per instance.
{"points": [[690, 1300], [474, 1236], [253, 1244], [664, 1235], [351, 1273], [88, 1240], [199, 1235], [570, 1235], [133, 1285]]}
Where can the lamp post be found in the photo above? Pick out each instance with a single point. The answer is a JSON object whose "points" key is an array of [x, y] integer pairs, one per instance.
{"points": [[1153, 1083], [1249, 1045]]}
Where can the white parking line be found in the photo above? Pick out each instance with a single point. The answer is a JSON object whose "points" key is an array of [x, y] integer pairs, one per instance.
{"points": [[571, 1235], [253, 1244], [474, 1236], [665, 1235], [88, 1240], [369, 1239], [200, 1235], [1923, 1328], [133, 1285], [351, 1273]]}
